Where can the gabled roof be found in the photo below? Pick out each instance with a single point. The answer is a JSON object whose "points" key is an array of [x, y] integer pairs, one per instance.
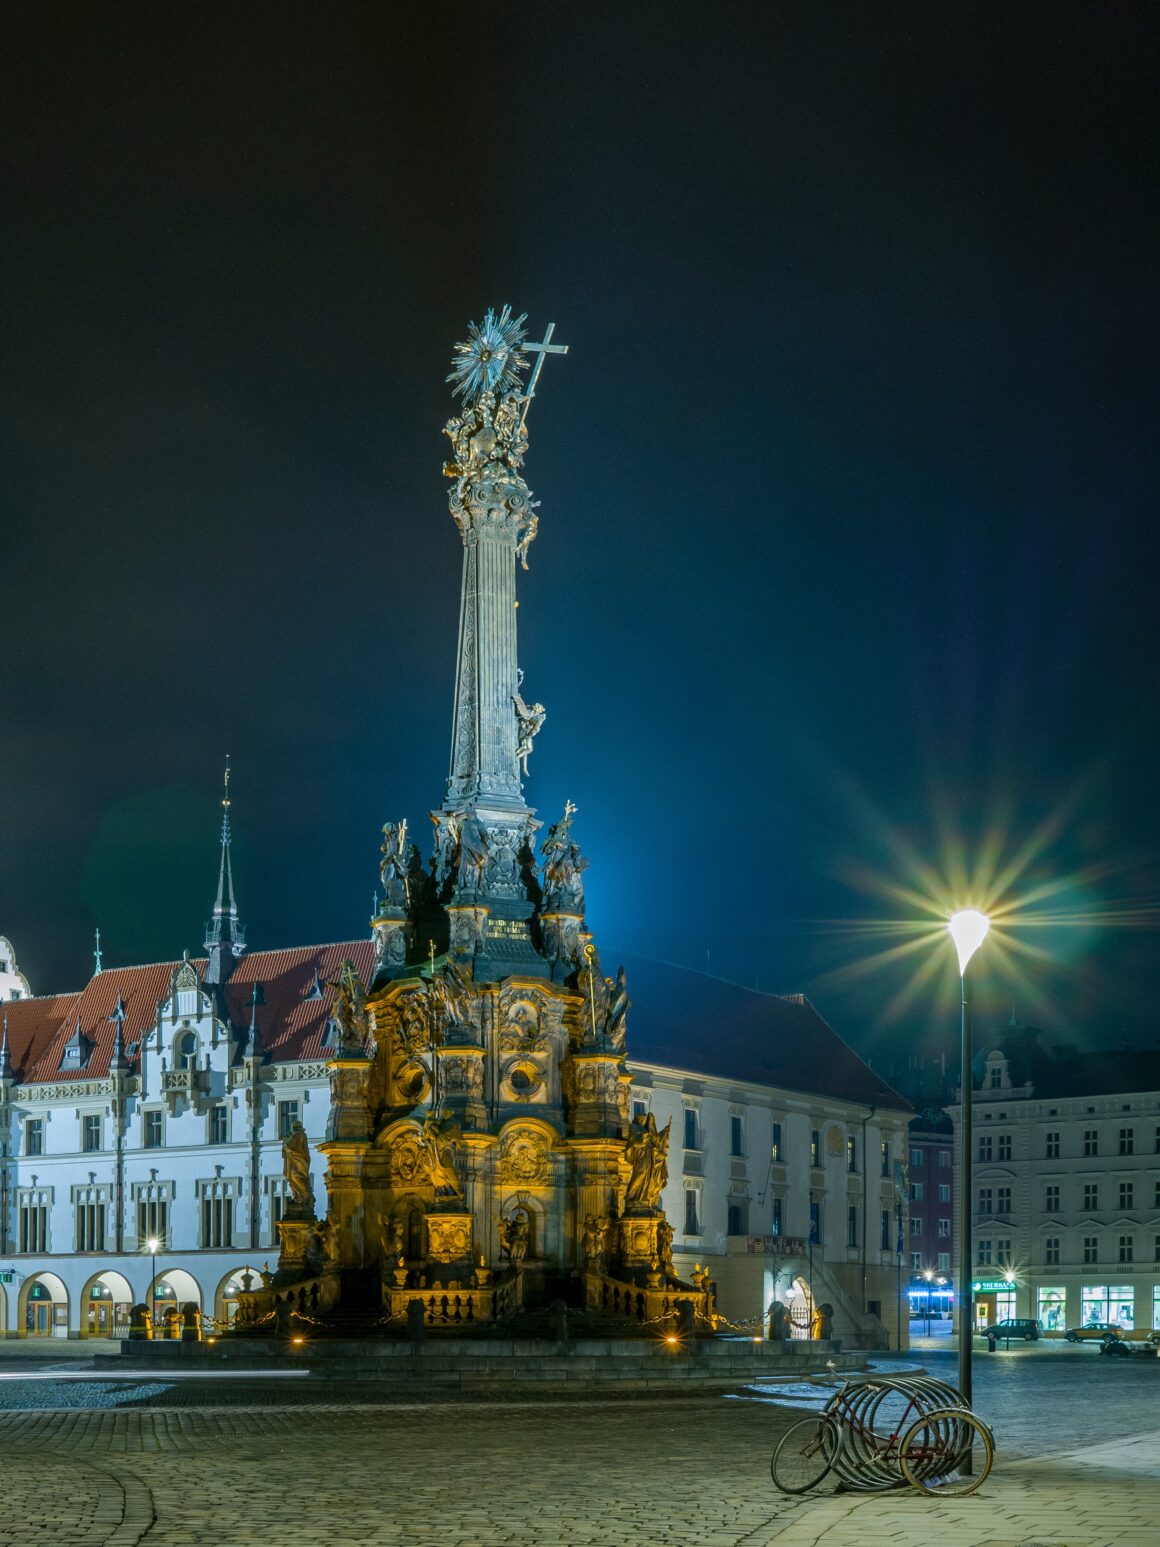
{"points": [[688, 1020], [291, 1026]]}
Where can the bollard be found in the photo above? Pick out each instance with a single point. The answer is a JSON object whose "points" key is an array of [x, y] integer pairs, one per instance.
{"points": [[558, 1312], [282, 1323], [140, 1323], [191, 1322], [416, 1330]]}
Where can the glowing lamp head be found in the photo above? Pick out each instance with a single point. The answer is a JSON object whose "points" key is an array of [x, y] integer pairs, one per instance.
{"points": [[968, 930], [152, 1243]]}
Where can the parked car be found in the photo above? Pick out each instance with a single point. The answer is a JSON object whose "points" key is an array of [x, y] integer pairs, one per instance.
{"points": [[1111, 1344], [1095, 1331], [1014, 1327]]}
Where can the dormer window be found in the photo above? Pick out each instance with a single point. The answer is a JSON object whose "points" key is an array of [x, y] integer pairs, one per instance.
{"points": [[76, 1051], [330, 1035], [314, 990]]}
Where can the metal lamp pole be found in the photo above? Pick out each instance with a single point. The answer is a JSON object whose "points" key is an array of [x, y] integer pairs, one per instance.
{"points": [[968, 930], [153, 1245]]}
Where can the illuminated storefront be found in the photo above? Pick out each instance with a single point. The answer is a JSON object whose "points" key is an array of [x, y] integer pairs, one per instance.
{"points": [[1051, 1307], [1108, 1302]]}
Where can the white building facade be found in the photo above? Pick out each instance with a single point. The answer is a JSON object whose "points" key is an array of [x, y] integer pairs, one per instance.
{"points": [[13, 983], [1065, 1188]]}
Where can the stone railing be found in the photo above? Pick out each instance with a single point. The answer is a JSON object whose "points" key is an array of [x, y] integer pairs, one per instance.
{"points": [[451, 1307], [641, 1304]]}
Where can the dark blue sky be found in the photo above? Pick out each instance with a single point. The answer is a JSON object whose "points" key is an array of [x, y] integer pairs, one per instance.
{"points": [[849, 480]]}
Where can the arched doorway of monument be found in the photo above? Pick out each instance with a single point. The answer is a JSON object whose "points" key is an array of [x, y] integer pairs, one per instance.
{"points": [[170, 1291], [800, 1306], [105, 1304], [43, 1307], [225, 1300]]}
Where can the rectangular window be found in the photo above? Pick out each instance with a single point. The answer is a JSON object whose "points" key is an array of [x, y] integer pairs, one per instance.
{"points": [[1090, 1249], [737, 1135], [986, 1147], [916, 1192], [851, 1153], [1127, 1141], [34, 1136], [287, 1117], [944, 1192], [32, 1225], [1156, 1256], [1127, 1248], [885, 1157], [815, 1220], [915, 1159], [219, 1125], [944, 1227], [1091, 1141], [915, 1225], [885, 1243], [1091, 1196], [1051, 1251], [639, 1108], [1156, 1142], [152, 1132], [217, 1222], [1127, 1193], [691, 1128], [986, 1201], [816, 1148], [776, 1152], [1002, 1200], [692, 1226], [1051, 1199], [944, 1262], [851, 1224], [277, 1206], [738, 1223], [1051, 1146], [944, 1157], [996, 1078], [1002, 1254], [90, 1227], [153, 1222], [90, 1134], [983, 1254], [916, 1262], [1108, 1302], [775, 1224], [1004, 1146]]}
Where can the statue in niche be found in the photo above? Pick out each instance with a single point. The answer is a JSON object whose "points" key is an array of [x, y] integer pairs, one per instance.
{"points": [[325, 1245], [350, 1009], [391, 1242], [594, 1243], [395, 864], [563, 864], [296, 1167], [503, 868], [437, 1145], [647, 1153], [473, 854], [514, 1236], [529, 722], [446, 824]]}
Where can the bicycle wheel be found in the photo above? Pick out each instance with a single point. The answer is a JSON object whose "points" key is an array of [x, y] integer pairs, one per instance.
{"points": [[804, 1454], [948, 1452]]}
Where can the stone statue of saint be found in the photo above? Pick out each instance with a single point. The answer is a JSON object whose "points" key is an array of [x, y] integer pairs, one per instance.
{"points": [[618, 1007], [593, 1244], [296, 1166], [513, 1236], [437, 1143], [451, 991], [473, 854], [665, 1247], [647, 1152], [391, 1242], [349, 1011], [563, 864], [393, 869], [529, 720]]}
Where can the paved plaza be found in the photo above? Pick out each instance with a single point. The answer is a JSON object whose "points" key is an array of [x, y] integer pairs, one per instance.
{"points": [[170, 1464]]}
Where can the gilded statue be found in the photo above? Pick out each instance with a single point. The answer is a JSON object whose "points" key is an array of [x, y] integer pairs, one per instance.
{"points": [[665, 1247], [296, 1166], [514, 1234], [615, 1023], [350, 1008], [437, 1146], [647, 1152]]}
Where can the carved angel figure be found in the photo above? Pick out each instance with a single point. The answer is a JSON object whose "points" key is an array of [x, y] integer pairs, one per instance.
{"points": [[647, 1152], [530, 719], [437, 1144], [296, 1166]]}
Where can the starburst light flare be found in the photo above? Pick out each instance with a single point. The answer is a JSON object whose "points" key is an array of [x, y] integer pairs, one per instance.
{"points": [[968, 929], [490, 359]]}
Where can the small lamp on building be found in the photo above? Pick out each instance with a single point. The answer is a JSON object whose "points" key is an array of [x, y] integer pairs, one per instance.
{"points": [[968, 929]]}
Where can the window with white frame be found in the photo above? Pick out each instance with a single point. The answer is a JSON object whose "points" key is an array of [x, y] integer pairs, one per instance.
{"points": [[91, 1206], [33, 1205], [152, 1201], [692, 1211], [692, 1129], [217, 1213]]}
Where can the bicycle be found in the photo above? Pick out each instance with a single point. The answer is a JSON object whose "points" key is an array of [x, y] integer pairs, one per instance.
{"points": [[931, 1443]]}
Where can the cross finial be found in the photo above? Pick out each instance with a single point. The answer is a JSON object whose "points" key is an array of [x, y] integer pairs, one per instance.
{"points": [[97, 953], [540, 350], [431, 952], [569, 810]]}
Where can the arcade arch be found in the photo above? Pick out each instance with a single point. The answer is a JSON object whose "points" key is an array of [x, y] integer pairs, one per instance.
{"points": [[105, 1304], [42, 1308]]}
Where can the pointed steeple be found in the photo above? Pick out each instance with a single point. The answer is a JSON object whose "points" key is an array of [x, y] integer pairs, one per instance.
{"points": [[253, 1047], [119, 1060], [225, 936], [6, 1070]]}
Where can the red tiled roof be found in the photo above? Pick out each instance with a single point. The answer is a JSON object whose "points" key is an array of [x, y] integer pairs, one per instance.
{"points": [[290, 1026]]}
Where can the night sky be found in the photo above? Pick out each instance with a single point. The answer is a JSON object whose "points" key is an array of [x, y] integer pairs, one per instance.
{"points": [[849, 483]]}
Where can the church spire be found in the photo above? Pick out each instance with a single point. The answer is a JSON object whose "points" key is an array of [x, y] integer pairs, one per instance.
{"points": [[6, 1070], [225, 937]]}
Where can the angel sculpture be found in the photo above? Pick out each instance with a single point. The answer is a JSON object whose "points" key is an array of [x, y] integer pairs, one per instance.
{"points": [[451, 991], [514, 1234], [530, 719], [437, 1142], [647, 1153]]}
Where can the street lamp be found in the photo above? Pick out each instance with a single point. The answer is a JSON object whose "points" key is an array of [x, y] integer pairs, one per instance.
{"points": [[929, 1276], [968, 930], [152, 1243]]}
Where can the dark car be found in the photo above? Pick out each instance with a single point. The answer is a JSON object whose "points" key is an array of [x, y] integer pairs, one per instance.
{"points": [[1015, 1327]]}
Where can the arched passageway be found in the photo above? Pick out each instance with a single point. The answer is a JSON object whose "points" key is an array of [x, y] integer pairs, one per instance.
{"points": [[105, 1303], [43, 1307]]}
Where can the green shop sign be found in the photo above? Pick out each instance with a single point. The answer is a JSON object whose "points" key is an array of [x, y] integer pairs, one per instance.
{"points": [[990, 1286]]}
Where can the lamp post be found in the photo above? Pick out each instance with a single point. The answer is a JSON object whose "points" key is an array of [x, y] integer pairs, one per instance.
{"points": [[929, 1276], [152, 1243], [968, 930]]}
